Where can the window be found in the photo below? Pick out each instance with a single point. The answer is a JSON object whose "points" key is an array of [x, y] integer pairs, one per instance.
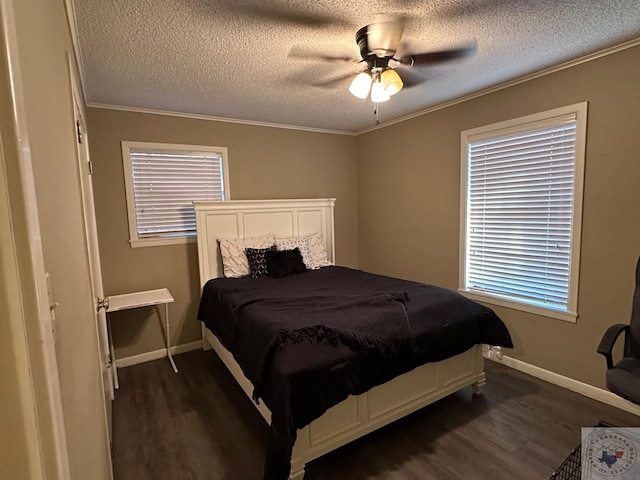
{"points": [[521, 212], [162, 181]]}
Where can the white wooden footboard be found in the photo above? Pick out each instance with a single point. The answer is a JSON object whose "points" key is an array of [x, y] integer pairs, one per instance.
{"points": [[357, 415]]}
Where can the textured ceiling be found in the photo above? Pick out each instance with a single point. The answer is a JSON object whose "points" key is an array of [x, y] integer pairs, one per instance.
{"points": [[231, 58]]}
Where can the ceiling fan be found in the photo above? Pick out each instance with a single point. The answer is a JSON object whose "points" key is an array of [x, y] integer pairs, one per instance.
{"points": [[389, 66]]}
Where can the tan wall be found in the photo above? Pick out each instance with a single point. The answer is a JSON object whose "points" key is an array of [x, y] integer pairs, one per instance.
{"points": [[43, 40], [264, 163], [413, 230]]}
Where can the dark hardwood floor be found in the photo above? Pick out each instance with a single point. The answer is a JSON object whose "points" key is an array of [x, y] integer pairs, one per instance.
{"points": [[198, 424]]}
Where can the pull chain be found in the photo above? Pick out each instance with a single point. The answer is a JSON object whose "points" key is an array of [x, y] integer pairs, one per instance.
{"points": [[375, 111]]}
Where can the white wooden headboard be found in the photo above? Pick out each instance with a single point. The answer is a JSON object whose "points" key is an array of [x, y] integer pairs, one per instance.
{"points": [[250, 218]]}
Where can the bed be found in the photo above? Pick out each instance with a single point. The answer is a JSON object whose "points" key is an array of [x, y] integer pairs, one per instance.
{"points": [[329, 386]]}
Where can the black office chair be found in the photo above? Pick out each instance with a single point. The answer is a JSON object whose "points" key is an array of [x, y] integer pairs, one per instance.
{"points": [[623, 378]]}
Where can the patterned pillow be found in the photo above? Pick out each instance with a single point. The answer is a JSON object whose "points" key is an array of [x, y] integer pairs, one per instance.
{"points": [[317, 252], [301, 243], [234, 260], [257, 258], [282, 263]]}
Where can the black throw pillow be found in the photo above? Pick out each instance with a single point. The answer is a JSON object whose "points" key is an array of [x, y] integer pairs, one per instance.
{"points": [[258, 261], [284, 263]]}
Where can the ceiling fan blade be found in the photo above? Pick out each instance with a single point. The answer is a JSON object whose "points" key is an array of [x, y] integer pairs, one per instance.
{"points": [[263, 11], [408, 3], [334, 81], [430, 58], [409, 77], [320, 77], [469, 8], [303, 53]]}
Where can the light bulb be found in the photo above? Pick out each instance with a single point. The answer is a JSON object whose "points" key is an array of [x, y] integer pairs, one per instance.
{"points": [[361, 85], [377, 92], [391, 81]]}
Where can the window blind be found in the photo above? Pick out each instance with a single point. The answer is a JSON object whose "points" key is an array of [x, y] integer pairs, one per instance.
{"points": [[520, 197], [165, 182]]}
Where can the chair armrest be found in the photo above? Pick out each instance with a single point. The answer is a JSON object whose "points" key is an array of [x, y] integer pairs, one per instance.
{"points": [[609, 339]]}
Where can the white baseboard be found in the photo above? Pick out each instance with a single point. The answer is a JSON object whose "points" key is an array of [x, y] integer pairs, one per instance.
{"points": [[156, 354], [585, 389]]}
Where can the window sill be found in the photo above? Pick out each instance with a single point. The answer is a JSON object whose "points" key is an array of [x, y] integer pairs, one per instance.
{"points": [[570, 317], [158, 242]]}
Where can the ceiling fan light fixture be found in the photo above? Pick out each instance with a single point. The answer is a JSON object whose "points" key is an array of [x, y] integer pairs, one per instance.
{"points": [[378, 93], [361, 85], [391, 81]]}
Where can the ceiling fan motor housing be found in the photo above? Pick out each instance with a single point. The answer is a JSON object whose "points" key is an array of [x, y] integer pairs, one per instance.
{"points": [[375, 42]]}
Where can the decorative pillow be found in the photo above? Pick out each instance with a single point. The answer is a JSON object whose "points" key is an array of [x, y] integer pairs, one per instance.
{"points": [[317, 252], [282, 263], [301, 243], [257, 258], [234, 260]]}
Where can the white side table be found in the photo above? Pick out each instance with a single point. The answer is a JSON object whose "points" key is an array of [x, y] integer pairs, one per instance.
{"points": [[136, 300]]}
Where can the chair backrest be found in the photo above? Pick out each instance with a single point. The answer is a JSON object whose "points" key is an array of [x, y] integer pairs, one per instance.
{"points": [[634, 339]]}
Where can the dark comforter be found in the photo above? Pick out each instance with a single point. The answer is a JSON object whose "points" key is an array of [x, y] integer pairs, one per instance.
{"points": [[308, 341]]}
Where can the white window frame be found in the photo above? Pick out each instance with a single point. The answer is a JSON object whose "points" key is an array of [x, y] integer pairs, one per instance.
{"points": [[530, 122], [134, 239]]}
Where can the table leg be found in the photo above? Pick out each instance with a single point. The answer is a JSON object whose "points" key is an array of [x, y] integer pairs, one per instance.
{"points": [[166, 324], [112, 353]]}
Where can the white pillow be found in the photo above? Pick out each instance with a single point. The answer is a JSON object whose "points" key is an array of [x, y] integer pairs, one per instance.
{"points": [[318, 252], [302, 243], [234, 260]]}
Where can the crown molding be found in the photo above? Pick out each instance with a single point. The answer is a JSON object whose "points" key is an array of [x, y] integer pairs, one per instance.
{"points": [[217, 119]]}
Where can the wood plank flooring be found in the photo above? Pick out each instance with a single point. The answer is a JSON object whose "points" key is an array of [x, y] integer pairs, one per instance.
{"points": [[198, 424]]}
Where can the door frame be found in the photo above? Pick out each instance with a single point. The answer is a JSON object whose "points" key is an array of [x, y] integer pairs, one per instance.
{"points": [[41, 388], [91, 239]]}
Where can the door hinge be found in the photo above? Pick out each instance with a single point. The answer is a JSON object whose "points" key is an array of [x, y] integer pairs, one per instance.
{"points": [[79, 131], [90, 163], [102, 303]]}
